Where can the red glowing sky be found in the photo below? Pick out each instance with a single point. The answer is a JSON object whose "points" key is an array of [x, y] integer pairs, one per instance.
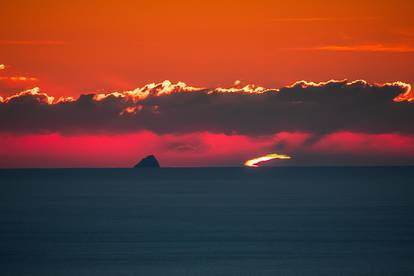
{"points": [[201, 149]]}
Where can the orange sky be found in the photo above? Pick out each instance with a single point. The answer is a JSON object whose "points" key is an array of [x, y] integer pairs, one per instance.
{"points": [[85, 46], [68, 48]]}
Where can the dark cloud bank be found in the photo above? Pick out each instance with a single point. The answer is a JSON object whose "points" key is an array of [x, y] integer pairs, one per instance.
{"points": [[319, 109]]}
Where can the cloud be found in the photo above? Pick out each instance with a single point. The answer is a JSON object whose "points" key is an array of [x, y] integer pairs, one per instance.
{"points": [[354, 143], [186, 145], [18, 78], [32, 42], [367, 48], [322, 19], [351, 148], [14, 84], [317, 108]]}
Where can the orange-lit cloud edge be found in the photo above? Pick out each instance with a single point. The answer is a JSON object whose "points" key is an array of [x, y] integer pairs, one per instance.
{"points": [[167, 87]]}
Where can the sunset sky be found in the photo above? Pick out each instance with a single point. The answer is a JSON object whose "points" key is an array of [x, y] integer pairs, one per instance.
{"points": [[94, 48]]}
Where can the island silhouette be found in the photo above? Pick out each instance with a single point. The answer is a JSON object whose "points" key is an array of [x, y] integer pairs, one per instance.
{"points": [[148, 162]]}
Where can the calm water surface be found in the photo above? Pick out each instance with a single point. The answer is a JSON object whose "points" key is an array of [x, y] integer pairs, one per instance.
{"points": [[227, 221]]}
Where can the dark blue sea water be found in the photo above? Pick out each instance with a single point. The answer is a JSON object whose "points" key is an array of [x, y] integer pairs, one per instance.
{"points": [[225, 221]]}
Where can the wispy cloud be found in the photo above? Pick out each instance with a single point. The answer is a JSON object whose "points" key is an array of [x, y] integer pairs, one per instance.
{"points": [[322, 19], [366, 48], [32, 42], [18, 78]]}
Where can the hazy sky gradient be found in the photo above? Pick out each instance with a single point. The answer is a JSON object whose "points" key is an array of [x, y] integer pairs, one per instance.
{"points": [[74, 47], [69, 48]]}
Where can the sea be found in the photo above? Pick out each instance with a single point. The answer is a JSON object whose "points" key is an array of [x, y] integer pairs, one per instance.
{"points": [[207, 221]]}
